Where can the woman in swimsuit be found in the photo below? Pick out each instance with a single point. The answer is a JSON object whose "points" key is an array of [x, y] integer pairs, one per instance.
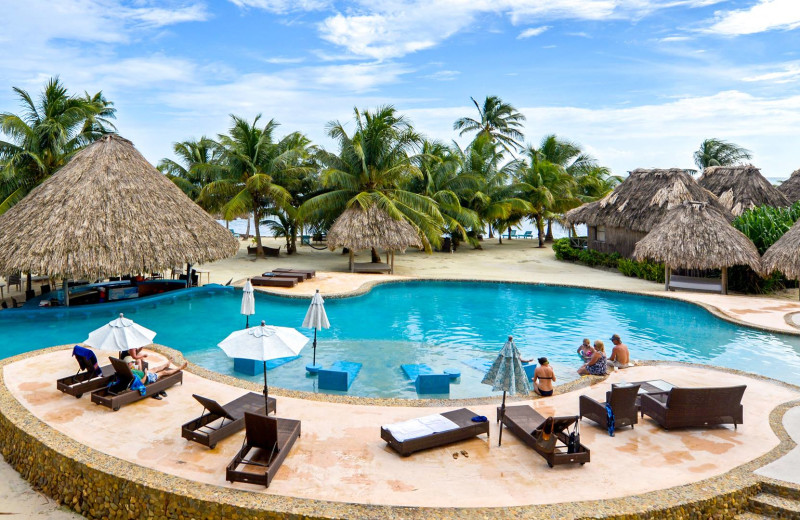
{"points": [[585, 351], [543, 378], [597, 365]]}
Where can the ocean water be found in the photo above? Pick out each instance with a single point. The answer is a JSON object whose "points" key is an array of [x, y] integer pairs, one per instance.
{"points": [[442, 324]]}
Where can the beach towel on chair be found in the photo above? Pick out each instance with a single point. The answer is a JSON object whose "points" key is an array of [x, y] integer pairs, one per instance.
{"points": [[137, 384], [610, 414], [87, 360]]}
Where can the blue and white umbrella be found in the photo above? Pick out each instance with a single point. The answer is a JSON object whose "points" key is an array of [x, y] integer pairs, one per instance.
{"points": [[507, 374]]}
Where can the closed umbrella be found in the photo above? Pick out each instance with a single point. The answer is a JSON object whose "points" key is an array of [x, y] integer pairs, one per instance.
{"points": [[316, 318], [120, 334], [248, 303], [263, 343], [507, 374]]}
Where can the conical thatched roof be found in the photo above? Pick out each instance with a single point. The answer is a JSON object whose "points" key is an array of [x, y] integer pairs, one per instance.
{"points": [[108, 211], [784, 255], [639, 202], [740, 188], [695, 235], [358, 229], [791, 187]]}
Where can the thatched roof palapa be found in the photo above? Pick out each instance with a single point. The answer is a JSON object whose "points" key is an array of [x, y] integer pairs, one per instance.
{"points": [[108, 211], [695, 235], [740, 188], [640, 201], [784, 255], [358, 229], [791, 187]]}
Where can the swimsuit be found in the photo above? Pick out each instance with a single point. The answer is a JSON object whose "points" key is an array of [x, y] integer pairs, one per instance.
{"points": [[545, 393], [599, 368]]}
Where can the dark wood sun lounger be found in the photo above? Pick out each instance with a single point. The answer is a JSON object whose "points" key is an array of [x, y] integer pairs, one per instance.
{"points": [[273, 281], [222, 421], [310, 273], [300, 277], [120, 394], [86, 379], [523, 420], [267, 442], [466, 430], [698, 407]]}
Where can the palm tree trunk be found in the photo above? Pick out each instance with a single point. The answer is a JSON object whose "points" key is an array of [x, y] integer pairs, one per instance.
{"points": [[490, 231], [540, 229], [291, 240], [259, 247], [549, 236], [247, 233]]}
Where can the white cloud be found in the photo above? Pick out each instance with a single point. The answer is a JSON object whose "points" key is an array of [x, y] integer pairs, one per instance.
{"points": [[444, 75], [766, 15], [283, 6], [532, 31], [790, 73], [277, 60], [159, 17], [675, 39]]}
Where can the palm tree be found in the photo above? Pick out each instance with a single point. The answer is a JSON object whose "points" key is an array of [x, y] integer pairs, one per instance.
{"points": [[251, 159], [199, 163], [372, 166], [716, 152], [44, 137], [497, 120]]}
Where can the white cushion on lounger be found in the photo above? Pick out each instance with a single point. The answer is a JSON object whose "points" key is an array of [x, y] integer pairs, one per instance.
{"points": [[416, 428]]}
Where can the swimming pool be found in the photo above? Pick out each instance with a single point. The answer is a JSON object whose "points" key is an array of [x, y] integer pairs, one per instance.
{"points": [[442, 324]]}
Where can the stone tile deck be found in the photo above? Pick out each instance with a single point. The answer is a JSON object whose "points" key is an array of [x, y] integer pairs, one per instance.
{"points": [[341, 458]]}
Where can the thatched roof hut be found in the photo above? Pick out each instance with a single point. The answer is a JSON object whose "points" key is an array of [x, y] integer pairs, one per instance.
{"points": [[357, 229], [106, 212], [695, 235], [791, 187], [636, 205], [784, 255], [740, 188]]}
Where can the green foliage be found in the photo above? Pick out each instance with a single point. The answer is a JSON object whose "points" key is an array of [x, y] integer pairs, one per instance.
{"points": [[645, 270], [716, 152], [564, 251], [765, 225]]}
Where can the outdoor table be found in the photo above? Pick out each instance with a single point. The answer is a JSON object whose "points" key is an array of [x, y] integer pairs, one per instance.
{"points": [[657, 388], [201, 272]]}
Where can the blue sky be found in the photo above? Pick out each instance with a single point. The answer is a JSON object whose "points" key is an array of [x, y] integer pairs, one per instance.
{"points": [[638, 83]]}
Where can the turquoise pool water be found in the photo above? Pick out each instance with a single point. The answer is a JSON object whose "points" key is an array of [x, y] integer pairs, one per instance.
{"points": [[442, 324]]}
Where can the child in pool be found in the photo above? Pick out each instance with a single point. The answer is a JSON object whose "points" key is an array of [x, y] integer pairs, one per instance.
{"points": [[585, 351]]}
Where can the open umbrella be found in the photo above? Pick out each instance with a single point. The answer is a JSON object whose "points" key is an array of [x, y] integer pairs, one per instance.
{"points": [[120, 334], [507, 374], [316, 319], [262, 344], [248, 303]]}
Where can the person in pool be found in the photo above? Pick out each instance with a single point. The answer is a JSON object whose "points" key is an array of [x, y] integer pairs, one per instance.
{"points": [[543, 378], [585, 351], [597, 365]]}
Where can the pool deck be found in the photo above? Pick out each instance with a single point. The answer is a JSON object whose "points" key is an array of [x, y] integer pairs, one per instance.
{"points": [[340, 460]]}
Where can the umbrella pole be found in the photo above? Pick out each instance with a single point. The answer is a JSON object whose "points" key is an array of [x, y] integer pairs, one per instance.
{"points": [[314, 361], [502, 414], [266, 391], [247, 321]]}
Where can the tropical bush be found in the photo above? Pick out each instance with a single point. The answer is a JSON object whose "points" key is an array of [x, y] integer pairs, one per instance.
{"points": [[644, 270], [765, 225]]}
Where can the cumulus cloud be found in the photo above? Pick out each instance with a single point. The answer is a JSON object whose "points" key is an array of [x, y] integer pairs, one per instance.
{"points": [[766, 15], [283, 6]]}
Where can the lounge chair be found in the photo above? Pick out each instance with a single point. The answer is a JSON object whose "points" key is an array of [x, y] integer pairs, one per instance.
{"points": [[300, 277], [622, 399], [685, 407], [339, 376], [268, 251], [222, 421], [119, 393], [527, 234], [267, 442], [273, 281], [89, 376], [523, 420], [430, 432], [310, 273]]}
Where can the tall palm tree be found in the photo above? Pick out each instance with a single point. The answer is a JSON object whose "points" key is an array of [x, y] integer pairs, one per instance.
{"points": [[251, 160], [716, 152], [372, 167], [45, 136], [199, 163], [497, 120]]}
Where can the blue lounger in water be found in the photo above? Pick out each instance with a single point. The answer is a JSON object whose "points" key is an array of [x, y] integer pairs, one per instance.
{"points": [[529, 369], [253, 368], [425, 380], [339, 376]]}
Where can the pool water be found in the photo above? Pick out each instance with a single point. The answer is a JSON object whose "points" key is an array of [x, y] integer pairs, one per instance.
{"points": [[442, 324]]}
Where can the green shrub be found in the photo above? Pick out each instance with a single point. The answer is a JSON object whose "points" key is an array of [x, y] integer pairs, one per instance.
{"points": [[592, 258], [564, 251], [644, 270]]}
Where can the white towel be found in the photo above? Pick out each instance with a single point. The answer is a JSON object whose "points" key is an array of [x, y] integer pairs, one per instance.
{"points": [[661, 385], [438, 423], [416, 428]]}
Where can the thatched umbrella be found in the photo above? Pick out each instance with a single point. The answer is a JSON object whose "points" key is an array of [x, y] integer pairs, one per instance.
{"points": [[740, 188], [640, 201], [784, 255], [358, 229], [791, 187], [695, 235], [108, 211]]}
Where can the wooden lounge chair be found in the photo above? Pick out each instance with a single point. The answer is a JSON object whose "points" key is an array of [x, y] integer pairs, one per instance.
{"points": [[273, 281], [310, 273], [372, 267], [300, 277], [267, 442], [89, 376], [466, 430], [523, 420], [119, 393], [222, 421], [685, 407], [623, 403]]}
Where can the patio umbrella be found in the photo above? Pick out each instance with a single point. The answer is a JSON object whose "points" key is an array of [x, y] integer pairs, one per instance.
{"points": [[120, 334], [316, 319], [263, 343], [248, 303], [506, 374]]}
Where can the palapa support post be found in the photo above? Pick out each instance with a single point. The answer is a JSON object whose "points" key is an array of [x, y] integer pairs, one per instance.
{"points": [[724, 280], [502, 414], [188, 275], [352, 261], [667, 273], [65, 285], [392, 264]]}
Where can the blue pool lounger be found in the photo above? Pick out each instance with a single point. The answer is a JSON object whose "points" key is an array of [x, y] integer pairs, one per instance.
{"points": [[426, 381], [339, 376], [254, 368]]}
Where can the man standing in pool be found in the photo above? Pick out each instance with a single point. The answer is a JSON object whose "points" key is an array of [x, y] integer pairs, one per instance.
{"points": [[620, 357]]}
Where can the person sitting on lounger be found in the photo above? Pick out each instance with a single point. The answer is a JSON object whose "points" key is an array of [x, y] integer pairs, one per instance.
{"points": [[585, 351], [620, 357], [137, 355], [543, 378], [597, 365], [147, 377]]}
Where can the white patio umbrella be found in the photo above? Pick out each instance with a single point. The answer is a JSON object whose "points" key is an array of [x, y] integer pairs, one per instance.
{"points": [[263, 343], [316, 318], [120, 334], [507, 374], [248, 303]]}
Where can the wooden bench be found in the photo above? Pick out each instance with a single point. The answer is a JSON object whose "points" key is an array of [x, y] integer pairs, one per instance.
{"points": [[371, 267], [268, 251], [692, 283]]}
